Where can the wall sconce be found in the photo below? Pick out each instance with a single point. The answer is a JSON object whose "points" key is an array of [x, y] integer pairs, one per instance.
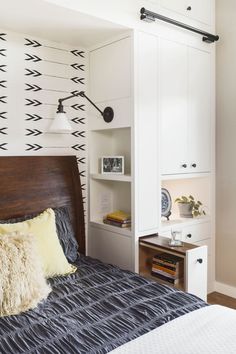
{"points": [[61, 123]]}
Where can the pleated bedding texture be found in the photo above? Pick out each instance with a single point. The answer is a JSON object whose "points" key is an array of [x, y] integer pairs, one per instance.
{"points": [[94, 310]]}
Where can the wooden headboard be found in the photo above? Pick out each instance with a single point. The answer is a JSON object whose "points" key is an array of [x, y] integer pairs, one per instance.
{"points": [[31, 184]]}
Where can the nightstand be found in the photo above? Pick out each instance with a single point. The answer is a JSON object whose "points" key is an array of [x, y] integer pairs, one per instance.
{"points": [[194, 258]]}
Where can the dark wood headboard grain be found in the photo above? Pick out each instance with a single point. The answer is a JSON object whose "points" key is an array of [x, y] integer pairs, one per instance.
{"points": [[31, 184]]}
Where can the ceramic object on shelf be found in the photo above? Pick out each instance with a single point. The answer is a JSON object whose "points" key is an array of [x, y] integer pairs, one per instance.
{"points": [[166, 203]]}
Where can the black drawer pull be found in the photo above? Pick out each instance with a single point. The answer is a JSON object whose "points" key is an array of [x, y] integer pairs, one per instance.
{"points": [[189, 235], [184, 165], [194, 165], [200, 260], [189, 8]]}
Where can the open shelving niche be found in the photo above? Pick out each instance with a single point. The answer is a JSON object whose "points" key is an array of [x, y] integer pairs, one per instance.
{"points": [[109, 192], [199, 187]]}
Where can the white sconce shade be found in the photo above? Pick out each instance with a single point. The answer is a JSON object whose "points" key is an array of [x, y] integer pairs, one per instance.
{"points": [[60, 124]]}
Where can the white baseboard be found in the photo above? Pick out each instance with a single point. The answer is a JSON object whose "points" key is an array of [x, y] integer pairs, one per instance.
{"points": [[225, 289]]}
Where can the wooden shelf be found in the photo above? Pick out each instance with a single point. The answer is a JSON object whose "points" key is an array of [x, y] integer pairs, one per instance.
{"points": [[148, 275], [111, 177], [151, 245]]}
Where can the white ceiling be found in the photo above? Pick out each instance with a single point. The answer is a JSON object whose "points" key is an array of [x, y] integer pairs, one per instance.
{"points": [[42, 19]]}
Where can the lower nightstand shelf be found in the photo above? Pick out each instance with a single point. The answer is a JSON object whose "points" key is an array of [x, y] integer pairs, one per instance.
{"points": [[194, 258]]}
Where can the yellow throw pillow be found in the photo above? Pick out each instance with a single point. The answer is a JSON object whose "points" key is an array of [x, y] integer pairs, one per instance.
{"points": [[43, 227]]}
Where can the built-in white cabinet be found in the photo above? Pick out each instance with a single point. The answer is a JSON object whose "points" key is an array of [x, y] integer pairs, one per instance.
{"points": [[198, 10], [160, 90], [185, 108]]}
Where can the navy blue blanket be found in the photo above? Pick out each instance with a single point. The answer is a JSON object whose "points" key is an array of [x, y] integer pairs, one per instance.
{"points": [[94, 310]]}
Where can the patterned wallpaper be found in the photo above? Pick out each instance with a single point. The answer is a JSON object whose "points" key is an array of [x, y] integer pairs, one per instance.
{"points": [[34, 73]]}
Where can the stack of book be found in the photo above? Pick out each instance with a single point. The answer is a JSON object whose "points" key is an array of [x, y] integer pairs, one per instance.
{"points": [[118, 218], [168, 267]]}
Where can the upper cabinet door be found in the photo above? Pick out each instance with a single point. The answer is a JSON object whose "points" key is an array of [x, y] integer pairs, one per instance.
{"points": [[199, 10], [173, 106], [199, 110]]}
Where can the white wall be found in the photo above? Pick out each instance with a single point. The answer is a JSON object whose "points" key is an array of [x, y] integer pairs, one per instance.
{"points": [[226, 143]]}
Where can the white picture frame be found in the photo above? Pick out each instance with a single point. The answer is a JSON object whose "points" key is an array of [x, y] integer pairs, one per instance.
{"points": [[112, 165]]}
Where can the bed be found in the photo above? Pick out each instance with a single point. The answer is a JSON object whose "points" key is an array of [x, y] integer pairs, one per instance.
{"points": [[99, 307]]}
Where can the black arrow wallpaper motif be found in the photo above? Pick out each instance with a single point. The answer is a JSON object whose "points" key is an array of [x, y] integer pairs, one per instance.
{"points": [[3, 52], [3, 99], [33, 58], [3, 115], [33, 117], [78, 80], [34, 88], [33, 73], [78, 147], [3, 36], [78, 53], [33, 147], [81, 160], [78, 120], [32, 43], [31, 102], [78, 67], [3, 131], [3, 146], [50, 71], [3, 83], [33, 132], [3, 68], [77, 134], [77, 107]]}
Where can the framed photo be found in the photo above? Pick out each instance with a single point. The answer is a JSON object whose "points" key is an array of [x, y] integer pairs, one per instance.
{"points": [[112, 165]]}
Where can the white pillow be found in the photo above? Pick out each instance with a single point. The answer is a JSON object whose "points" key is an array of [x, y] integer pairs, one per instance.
{"points": [[22, 282]]}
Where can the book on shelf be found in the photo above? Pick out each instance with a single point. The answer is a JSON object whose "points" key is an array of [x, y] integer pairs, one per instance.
{"points": [[116, 223], [119, 215], [167, 267]]}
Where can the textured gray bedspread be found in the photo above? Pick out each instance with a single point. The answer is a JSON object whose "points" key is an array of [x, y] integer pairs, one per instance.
{"points": [[93, 311]]}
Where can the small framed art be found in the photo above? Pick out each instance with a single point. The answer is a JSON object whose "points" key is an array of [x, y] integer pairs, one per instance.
{"points": [[112, 165]]}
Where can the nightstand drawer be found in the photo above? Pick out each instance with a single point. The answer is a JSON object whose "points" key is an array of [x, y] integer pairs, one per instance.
{"points": [[195, 233]]}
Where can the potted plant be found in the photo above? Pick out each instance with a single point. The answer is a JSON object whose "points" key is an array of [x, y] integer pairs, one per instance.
{"points": [[188, 207]]}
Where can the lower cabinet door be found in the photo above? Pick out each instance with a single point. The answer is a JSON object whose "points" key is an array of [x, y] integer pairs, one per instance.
{"points": [[110, 247], [196, 272]]}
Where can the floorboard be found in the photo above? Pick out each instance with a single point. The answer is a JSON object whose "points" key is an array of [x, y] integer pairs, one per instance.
{"points": [[220, 299]]}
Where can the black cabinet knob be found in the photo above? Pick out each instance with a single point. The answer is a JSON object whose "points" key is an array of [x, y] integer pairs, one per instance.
{"points": [[194, 165], [189, 8], [184, 165], [189, 235], [200, 260]]}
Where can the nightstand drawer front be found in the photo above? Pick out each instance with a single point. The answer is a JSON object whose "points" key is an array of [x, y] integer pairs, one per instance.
{"points": [[196, 272], [195, 233]]}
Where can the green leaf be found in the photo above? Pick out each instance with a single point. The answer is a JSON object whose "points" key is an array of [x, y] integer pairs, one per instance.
{"points": [[184, 199], [191, 197], [199, 202]]}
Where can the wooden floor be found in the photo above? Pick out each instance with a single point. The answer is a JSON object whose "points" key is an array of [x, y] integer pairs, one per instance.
{"points": [[220, 299]]}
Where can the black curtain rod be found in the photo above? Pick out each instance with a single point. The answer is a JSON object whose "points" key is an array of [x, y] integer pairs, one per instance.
{"points": [[150, 16]]}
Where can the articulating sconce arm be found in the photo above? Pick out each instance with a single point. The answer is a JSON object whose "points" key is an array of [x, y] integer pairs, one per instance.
{"points": [[107, 114]]}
